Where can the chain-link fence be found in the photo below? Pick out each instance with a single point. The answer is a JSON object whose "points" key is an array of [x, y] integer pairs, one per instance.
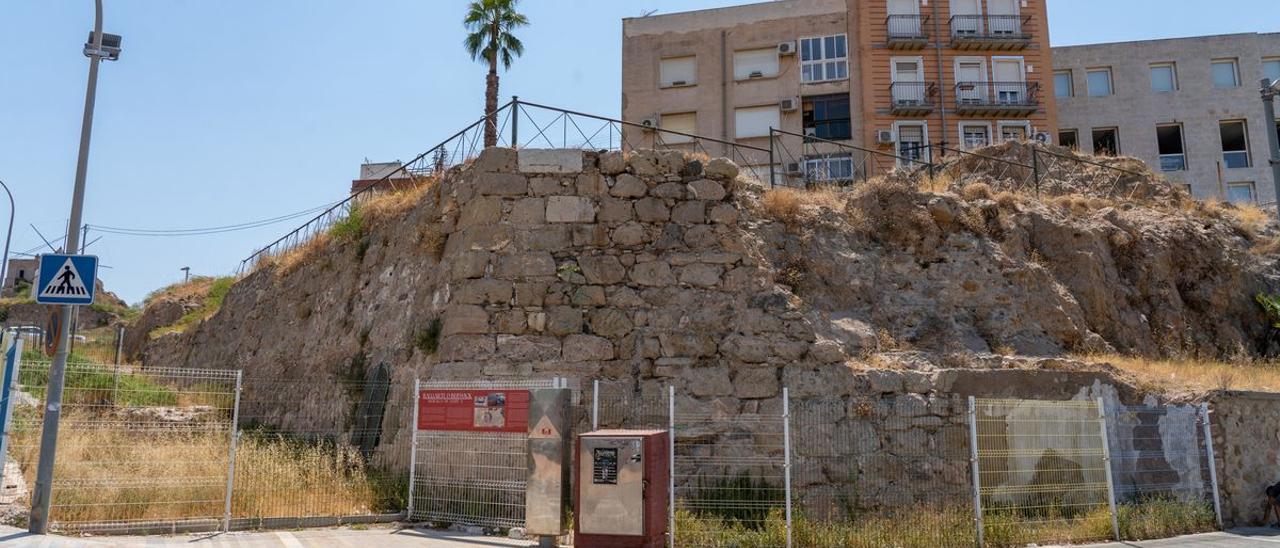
{"points": [[1041, 471], [138, 450]]}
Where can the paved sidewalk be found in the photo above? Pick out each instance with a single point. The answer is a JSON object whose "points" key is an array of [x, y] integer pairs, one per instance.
{"points": [[317, 538], [1247, 537]]}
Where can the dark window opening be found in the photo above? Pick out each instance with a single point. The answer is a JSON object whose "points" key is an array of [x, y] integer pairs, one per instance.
{"points": [[1069, 139], [1169, 143], [1235, 144], [827, 117], [1106, 142]]}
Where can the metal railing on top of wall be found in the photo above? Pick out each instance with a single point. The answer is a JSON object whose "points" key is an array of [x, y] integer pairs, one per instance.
{"points": [[520, 124]]}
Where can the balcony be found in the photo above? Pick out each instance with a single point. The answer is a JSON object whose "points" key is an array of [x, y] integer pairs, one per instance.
{"points": [[912, 98], [989, 32], [906, 32], [997, 98]]}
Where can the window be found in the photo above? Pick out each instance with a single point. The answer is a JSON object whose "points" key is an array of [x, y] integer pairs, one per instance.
{"points": [[829, 168], [684, 122], [1170, 145], [975, 136], [827, 117], [756, 121], [1226, 73], [1271, 68], [755, 63], [1164, 77], [824, 59], [1106, 141], [1240, 193], [678, 71], [911, 141], [1069, 138], [1015, 131], [1062, 84], [1099, 82], [1235, 143]]}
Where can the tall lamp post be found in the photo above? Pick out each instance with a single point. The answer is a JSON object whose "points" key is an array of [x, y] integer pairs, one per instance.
{"points": [[100, 46], [1271, 90], [4, 266]]}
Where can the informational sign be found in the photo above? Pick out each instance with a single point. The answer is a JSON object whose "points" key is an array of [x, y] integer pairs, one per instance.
{"points": [[474, 410], [67, 279]]}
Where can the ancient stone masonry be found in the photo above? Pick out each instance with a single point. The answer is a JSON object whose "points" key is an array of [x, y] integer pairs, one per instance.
{"points": [[623, 267]]}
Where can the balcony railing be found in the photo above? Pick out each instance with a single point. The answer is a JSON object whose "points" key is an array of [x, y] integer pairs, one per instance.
{"points": [[907, 31], [912, 98], [982, 98], [989, 32]]}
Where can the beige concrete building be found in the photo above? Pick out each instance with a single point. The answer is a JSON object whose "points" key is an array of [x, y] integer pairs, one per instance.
{"points": [[889, 76], [1189, 107]]}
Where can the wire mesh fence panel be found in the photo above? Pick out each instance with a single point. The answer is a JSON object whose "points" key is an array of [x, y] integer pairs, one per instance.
{"points": [[627, 405], [139, 450], [469, 477], [1042, 471], [882, 471], [321, 451], [1163, 470], [729, 473]]}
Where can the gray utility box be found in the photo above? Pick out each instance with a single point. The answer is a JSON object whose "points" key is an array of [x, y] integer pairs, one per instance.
{"points": [[622, 486]]}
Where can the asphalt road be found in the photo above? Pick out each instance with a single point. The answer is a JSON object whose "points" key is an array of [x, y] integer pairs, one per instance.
{"points": [[1250, 537]]}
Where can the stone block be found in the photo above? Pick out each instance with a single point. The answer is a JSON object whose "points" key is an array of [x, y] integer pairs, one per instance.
{"points": [[528, 347], [609, 322], [690, 213], [755, 382], [483, 291], [528, 212], [686, 345], [701, 275], [724, 214], [547, 238], [589, 295], [537, 321], [720, 169], [481, 211], [910, 405], [584, 348], [615, 211], [745, 348], [672, 191], [652, 210], [479, 238], [916, 382], [570, 209], [708, 381], [559, 161], [602, 269], [564, 320], [466, 348], [627, 185], [530, 294], [613, 162], [590, 235], [514, 266], [630, 234], [706, 189], [550, 186], [654, 274], [495, 159], [502, 184], [885, 382], [470, 264], [511, 322], [465, 319], [591, 184]]}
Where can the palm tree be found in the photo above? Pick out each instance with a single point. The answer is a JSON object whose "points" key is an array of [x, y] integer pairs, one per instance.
{"points": [[490, 24]]}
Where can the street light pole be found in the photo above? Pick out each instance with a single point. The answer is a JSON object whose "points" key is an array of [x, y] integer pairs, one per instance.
{"points": [[13, 212], [1271, 90], [42, 497]]}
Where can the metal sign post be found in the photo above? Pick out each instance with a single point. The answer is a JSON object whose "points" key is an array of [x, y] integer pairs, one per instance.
{"points": [[1213, 465], [977, 475], [1106, 463]]}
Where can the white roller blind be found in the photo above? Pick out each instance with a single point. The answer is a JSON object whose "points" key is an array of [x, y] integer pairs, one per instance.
{"points": [[678, 71], [685, 122], [762, 61], [756, 121]]}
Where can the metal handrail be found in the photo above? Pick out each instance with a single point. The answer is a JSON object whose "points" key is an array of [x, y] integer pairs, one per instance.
{"points": [[930, 89], [981, 28], [626, 123], [989, 94], [913, 20]]}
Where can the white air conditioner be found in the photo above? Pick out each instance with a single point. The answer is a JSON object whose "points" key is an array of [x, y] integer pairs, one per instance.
{"points": [[787, 48], [884, 136], [679, 83], [649, 123], [756, 74], [789, 104], [793, 168]]}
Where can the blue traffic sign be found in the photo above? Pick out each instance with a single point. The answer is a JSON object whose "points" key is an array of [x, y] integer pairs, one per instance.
{"points": [[66, 279]]}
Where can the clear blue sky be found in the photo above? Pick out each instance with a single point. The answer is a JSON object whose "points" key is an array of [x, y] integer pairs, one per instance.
{"points": [[228, 111]]}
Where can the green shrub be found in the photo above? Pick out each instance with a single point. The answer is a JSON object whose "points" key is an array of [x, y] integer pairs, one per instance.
{"points": [[428, 340], [350, 228]]}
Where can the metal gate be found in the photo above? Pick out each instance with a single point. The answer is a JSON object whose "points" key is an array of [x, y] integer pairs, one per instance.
{"points": [[471, 478]]}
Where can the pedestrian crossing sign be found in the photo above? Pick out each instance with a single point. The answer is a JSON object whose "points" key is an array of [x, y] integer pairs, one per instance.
{"points": [[67, 279]]}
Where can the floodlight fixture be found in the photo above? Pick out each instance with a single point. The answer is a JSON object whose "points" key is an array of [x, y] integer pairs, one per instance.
{"points": [[110, 49]]}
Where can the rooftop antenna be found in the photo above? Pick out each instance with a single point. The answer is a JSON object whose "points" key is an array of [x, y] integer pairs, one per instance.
{"points": [[648, 13], [46, 240]]}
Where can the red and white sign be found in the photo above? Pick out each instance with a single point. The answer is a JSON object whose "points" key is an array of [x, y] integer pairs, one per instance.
{"points": [[474, 410]]}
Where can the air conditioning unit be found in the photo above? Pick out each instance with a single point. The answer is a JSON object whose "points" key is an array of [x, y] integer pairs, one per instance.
{"points": [[756, 74], [793, 168], [649, 123], [884, 136], [811, 132], [679, 83], [787, 48], [789, 104]]}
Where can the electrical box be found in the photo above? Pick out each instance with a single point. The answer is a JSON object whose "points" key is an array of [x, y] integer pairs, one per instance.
{"points": [[623, 489]]}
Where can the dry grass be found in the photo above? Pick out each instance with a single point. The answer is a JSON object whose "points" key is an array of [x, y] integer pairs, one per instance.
{"points": [[976, 191], [1007, 200], [1181, 374], [792, 207], [1269, 246], [195, 288], [1250, 218]]}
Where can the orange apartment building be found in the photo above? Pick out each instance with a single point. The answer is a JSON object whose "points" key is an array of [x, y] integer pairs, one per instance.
{"points": [[885, 75]]}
